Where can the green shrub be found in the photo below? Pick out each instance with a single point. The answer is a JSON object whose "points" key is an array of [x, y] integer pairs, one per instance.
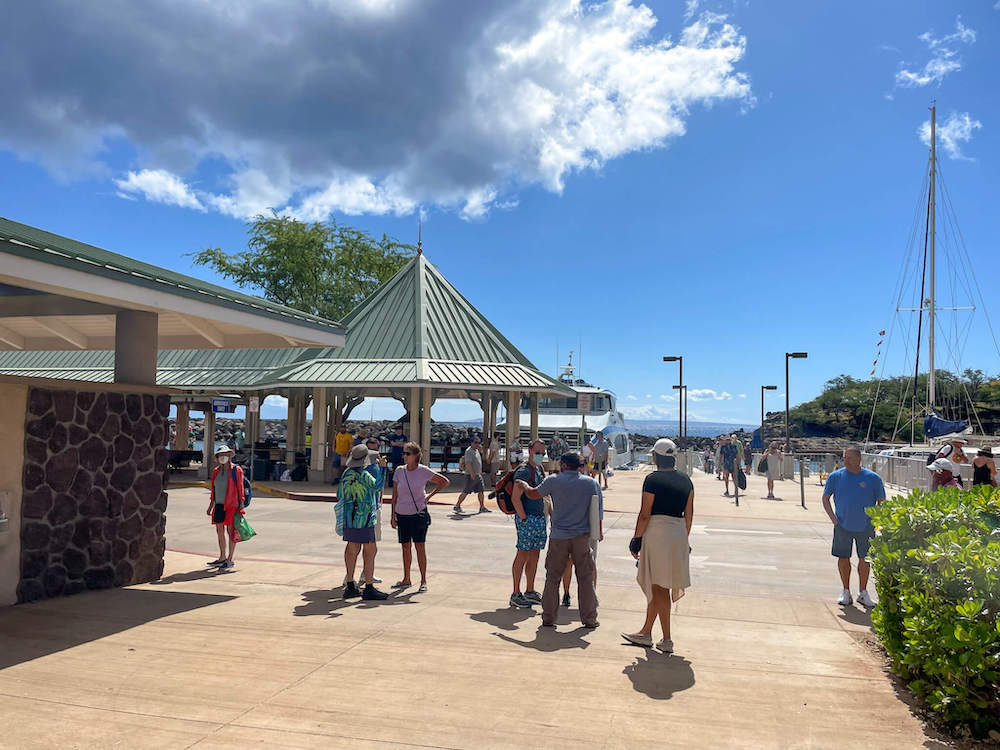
{"points": [[936, 564]]}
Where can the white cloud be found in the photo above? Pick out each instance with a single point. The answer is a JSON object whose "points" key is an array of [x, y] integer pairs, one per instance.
{"points": [[278, 401], [742, 395], [648, 411], [707, 394], [944, 57], [649, 395], [630, 397], [159, 186], [691, 7], [667, 397], [339, 107], [952, 133]]}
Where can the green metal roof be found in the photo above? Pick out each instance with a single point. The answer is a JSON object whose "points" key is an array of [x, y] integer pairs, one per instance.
{"points": [[36, 244]]}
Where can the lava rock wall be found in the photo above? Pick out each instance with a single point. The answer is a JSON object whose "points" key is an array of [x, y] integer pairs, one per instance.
{"points": [[94, 502]]}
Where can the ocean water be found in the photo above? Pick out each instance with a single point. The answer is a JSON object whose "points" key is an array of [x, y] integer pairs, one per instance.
{"points": [[695, 429]]}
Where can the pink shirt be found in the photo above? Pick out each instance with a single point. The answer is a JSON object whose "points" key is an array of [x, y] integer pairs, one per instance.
{"points": [[403, 481]]}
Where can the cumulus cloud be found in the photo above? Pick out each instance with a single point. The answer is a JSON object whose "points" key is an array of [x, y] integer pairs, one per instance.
{"points": [[279, 401], [630, 397], [742, 395], [952, 133], [648, 411], [707, 394], [944, 57], [359, 106]]}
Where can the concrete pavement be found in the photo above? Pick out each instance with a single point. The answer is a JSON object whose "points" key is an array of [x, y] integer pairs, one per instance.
{"points": [[270, 656]]}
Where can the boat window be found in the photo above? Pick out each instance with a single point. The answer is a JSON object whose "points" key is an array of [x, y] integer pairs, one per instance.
{"points": [[600, 403], [557, 403]]}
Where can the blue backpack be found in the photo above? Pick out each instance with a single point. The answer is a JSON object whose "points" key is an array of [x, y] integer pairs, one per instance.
{"points": [[247, 489]]}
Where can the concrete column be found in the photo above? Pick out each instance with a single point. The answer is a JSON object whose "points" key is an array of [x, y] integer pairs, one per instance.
{"points": [[135, 347], [317, 461], [534, 417], [513, 418], [427, 399], [414, 431], [208, 445], [292, 430], [182, 424], [487, 407]]}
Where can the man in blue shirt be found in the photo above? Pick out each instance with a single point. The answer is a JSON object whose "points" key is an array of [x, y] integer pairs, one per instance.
{"points": [[853, 490], [569, 537]]}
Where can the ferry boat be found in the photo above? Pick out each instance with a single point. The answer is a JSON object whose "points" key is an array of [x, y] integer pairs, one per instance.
{"points": [[561, 414]]}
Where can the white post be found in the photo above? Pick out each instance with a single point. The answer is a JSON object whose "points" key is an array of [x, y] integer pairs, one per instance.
{"points": [[317, 459], [208, 444]]}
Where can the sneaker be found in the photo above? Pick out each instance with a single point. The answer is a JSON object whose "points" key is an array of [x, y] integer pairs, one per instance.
{"points": [[665, 645], [373, 594], [865, 600], [638, 639], [456, 508], [402, 584], [226, 565], [351, 590], [565, 601], [533, 596], [422, 588], [845, 598], [520, 600], [484, 509], [215, 563], [376, 579], [591, 625]]}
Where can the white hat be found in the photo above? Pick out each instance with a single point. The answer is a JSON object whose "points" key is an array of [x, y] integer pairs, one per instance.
{"points": [[941, 464], [223, 449], [664, 447]]}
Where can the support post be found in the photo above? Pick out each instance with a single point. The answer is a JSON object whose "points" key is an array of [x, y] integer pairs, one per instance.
{"points": [[487, 409], [427, 401], [414, 430], [534, 417], [208, 445], [182, 425], [317, 460], [135, 347], [513, 419]]}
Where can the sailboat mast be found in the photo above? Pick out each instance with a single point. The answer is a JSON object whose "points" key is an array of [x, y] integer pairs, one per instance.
{"points": [[931, 298]]}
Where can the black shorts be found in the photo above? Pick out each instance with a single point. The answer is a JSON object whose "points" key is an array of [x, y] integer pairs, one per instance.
{"points": [[843, 540], [601, 465], [218, 513], [411, 528]]}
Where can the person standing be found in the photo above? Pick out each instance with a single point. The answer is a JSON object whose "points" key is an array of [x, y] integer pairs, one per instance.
{"points": [[446, 454], [601, 458], [853, 490], [569, 537], [473, 477], [558, 448], [491, 461], [529, 520], [410, 516], [773, 471], [945, 474], [225, 501], [360, 490], [342, 444], [516, 453], [661, 543], [728, 457], [984, 470], [951, 450], [396, 453]]}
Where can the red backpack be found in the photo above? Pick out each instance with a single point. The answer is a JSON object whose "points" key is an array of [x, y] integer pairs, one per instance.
{"points": [[504, 490]]}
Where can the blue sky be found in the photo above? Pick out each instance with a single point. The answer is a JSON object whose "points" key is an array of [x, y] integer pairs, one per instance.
{"points": [[742, 189]]}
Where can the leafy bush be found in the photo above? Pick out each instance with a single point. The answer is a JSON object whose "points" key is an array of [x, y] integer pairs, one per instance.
{"points": [[937, 572]]}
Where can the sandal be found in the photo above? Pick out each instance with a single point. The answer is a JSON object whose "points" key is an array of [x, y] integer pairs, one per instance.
{"points": [[422, 589], [402, 584]]}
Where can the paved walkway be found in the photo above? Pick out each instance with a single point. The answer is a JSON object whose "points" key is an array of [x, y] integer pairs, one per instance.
{"points": [[270, 656]]}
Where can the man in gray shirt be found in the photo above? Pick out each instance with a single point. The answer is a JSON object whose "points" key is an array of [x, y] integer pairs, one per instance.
{"points": [[571, 494], [601, 458], [473, 476]]}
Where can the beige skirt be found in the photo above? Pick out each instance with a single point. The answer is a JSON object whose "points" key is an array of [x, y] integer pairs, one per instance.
{"points": [[663, 559]]}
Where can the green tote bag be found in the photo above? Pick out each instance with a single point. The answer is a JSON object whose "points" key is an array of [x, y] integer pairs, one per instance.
{"points": [[243, 528]]}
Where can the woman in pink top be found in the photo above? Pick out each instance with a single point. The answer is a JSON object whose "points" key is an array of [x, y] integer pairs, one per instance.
{"points": [[410, 516]]}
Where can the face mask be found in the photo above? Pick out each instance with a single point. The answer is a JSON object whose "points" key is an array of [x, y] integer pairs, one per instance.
{"points": [[538, 457], [223, 459]]}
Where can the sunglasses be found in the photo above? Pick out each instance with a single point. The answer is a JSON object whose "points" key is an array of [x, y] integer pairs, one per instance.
{"points": [[410, 453]]}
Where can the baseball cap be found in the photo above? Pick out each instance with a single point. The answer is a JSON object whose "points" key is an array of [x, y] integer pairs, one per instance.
{"points": [[941, 464], [664, 447], [223, 449]]}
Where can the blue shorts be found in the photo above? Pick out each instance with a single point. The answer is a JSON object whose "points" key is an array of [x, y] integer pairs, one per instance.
{"points": [[530, 532], [844, 540]]}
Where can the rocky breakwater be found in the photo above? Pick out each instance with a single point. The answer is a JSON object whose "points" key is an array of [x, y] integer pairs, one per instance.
{"points": [[274, 431]]}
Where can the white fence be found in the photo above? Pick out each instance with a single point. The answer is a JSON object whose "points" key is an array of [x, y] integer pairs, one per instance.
{"points": [[909, 473]]}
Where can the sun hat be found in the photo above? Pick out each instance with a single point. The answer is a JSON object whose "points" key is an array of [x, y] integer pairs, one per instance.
{"points": [[664, 447], [986, 451], [358, 456], [223, 449], [941, 464], [963, 441]]}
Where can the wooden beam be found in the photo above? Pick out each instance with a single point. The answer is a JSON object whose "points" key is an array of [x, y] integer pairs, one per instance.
{"points": [[204, 329], [64, 331], [11, 338], [47, 305]]}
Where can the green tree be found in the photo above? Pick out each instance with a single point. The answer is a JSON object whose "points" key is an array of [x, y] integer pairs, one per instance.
{"points": [[321, 268]]}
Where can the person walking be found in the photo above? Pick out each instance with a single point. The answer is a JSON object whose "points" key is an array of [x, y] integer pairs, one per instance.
{"points": [[473, 477], [984, 470], [718, 459], [558, 447], [225, 501], [660, 543], [728, 457], [601, 458], [529, 521], [410, 516], [360, 490], [446, 454], [773, 469], [853, 490], [569, 537], [945, 474], [396, 443], [491, 460], [953, 451]]}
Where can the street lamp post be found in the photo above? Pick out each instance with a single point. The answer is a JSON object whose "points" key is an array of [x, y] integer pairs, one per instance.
{"points": [[683, 389], [789, 355], [762, 389], [680, 381]]}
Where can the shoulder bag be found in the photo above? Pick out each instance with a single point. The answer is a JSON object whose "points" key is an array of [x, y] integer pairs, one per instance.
{"points": [[425, 515]]}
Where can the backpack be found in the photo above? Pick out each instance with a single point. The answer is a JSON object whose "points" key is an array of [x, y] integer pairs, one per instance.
{"points": [[247, 488], [504, 490]]}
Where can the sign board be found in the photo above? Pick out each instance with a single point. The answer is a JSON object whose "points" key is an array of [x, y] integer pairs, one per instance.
{"points": [[583, 403], [254, 405], [221, 406]]}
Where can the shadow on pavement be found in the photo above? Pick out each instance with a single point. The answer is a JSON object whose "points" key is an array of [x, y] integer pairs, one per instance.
{"points": [[549, 639], [506, 618], [856, 616], [192, 575], [660, 676], [328, 602], [30, 631]]}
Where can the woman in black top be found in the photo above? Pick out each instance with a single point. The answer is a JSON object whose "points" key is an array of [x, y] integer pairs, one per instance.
{"points": [[984, 471], [662, 530]]}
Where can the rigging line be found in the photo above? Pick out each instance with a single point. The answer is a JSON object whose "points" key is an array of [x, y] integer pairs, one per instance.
{"points": [[901, 282], [975, 281], [881, 376]]}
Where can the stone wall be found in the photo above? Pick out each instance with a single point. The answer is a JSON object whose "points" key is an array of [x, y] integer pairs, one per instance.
{"points": [[94, 501]]}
